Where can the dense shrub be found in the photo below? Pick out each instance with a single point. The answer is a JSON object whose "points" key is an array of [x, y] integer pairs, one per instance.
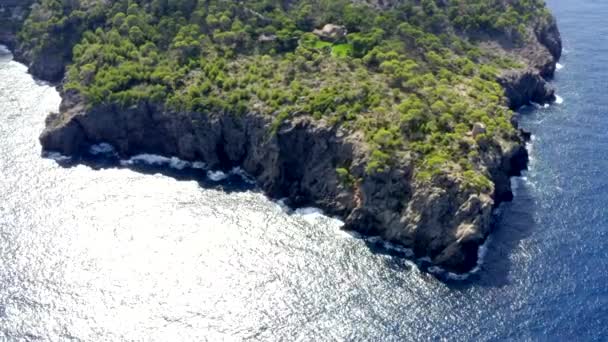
{"points": [[407, 77]]}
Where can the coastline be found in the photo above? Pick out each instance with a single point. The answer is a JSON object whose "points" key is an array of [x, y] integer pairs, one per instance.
{"points": [[304, 151]]}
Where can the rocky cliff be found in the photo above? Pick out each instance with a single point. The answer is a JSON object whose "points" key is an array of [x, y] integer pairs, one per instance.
{"points": [[442, 219]]}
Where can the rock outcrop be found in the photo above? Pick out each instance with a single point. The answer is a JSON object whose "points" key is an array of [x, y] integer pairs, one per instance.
{"points": [[331, 32], [540, 54]]}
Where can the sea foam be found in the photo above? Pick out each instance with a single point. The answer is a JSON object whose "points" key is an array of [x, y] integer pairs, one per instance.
{"points": [[56, 156], [313, 215], [172, 162], [559, 99], [216, 176], [148, 159], [102, 149]]}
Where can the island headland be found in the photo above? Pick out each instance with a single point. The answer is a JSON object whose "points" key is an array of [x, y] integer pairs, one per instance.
{"points": [[396, 116]]}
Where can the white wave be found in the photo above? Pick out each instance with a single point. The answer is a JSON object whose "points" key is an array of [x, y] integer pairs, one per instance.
{"points": [[237, 171], [374, 239], [199, 165], [310, 214], [149, 159], [173, 162], [309, 211], [56, 156], [179, 164], [102, 149], [407, 252], [559, 99], [539, 106], [216, 176], [4, 50], [436, 270], [425, 259], [315, 215], [155, 160], [559, 66], [377, 240], [456, 276], [482, 251]]}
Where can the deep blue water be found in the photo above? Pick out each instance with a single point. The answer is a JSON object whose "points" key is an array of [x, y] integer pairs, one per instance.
{"points": [[114, 254]]}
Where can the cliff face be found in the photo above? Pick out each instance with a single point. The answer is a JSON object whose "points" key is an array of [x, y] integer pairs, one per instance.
{"points": [[540, 54], [442, 219]]}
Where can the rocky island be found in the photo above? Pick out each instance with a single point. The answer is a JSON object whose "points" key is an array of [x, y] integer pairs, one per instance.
{"points": [[395, 115]]}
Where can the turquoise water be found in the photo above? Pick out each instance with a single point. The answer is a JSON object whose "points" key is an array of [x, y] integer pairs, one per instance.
{"points": [[113, 254]]}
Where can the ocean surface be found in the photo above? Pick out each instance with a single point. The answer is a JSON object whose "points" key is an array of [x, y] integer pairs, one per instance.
{"points": [[153, 253]]}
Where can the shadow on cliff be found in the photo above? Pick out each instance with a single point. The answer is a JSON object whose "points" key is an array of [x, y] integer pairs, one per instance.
{"points": [[514, 222], [230, 182]]}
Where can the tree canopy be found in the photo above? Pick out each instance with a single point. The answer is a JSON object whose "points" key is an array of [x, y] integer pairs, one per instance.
{"points": [[412, 77]]}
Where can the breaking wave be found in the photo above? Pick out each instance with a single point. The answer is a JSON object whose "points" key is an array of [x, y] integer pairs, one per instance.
{"points": [[102, 149], [315, 215], [56, 156], [156, 160], [107, 150], [4, 50], [216, 176]]}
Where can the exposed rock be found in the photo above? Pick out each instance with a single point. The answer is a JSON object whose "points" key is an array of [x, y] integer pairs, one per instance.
{"points": [[331, 32], [264, 38], [548, 35], [541, 55], [521, 88]]}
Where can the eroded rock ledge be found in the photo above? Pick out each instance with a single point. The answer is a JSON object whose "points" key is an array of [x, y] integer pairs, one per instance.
{"points": [[442, 220]]}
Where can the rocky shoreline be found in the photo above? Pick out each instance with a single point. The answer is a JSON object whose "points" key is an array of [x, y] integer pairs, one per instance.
{"points": [[441, 219]]}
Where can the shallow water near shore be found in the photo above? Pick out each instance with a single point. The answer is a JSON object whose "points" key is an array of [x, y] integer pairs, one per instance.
{"points": [[98, 253]]}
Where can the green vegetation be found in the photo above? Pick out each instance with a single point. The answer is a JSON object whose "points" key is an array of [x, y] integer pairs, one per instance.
{"points": [[411, 78]]}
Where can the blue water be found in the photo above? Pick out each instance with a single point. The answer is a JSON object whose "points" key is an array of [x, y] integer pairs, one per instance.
{"points": [[116, 254]]}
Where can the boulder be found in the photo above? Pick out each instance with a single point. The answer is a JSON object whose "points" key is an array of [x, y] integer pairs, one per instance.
{"points": [[331, 32]]}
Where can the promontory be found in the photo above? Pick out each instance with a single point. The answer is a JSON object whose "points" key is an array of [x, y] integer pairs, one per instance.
{"points": [[395, 115]]}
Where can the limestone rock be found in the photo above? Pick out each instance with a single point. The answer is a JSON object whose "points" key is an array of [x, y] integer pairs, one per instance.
{"points": [[331, 32]]}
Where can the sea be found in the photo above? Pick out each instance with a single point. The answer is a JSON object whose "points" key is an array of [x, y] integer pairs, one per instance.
{"points": [[156, 249]]}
